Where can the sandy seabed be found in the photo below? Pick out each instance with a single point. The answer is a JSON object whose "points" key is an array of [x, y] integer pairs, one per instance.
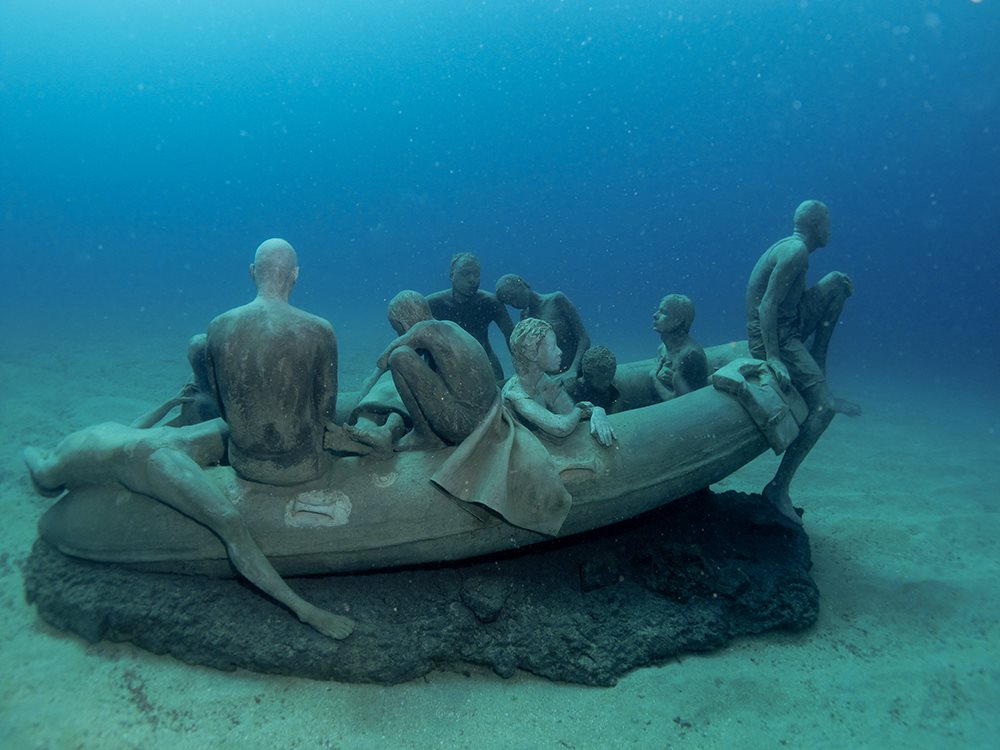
{"points": [[901, 508]]}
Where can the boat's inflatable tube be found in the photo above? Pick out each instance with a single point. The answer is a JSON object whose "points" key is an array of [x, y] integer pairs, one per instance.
{"points": [[384, 513]]}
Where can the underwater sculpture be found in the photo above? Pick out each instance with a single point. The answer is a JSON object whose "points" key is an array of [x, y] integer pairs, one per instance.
{"points": [[782, 314], [273, 369], [596, 382], [539, 399], [373, 512], [682, 366], [160, 500], [555, 309], [440, 372], [472, 308], [165, 464]]}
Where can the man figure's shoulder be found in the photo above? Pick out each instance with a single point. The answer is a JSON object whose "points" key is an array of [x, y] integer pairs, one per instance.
{"points": [[223, 323], [486, 298], [308, 319], [432, 329], [248, 320], [439, 301], [444, 328], [488, 304], [446, 334], [791, 250], [692, 355], [561, 300]]}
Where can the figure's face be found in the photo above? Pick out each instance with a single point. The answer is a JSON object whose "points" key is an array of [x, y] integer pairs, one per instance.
{"points": [[465, 278], [549, 354], [599, 378], [664, 319], [515, 295], [823, 232]]}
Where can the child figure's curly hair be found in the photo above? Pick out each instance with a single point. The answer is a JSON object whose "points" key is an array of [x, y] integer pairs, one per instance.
{"points": [[525, 341]]}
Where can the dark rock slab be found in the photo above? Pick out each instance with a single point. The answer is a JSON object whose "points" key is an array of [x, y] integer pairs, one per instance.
{"points": [[688, 577]]}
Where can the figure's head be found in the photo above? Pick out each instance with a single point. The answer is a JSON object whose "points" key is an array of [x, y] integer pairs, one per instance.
{"points": [[275, 268], [513, 290], [674, 315], [812, 221], [465, 273], [533, 344], [407, 309], [198, 358], [598, 367]]}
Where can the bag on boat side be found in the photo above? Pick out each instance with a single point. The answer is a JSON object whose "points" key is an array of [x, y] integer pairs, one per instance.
{"points": [[776, 412]]}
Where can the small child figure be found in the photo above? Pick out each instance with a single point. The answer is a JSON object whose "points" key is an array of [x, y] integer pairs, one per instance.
{"points": [[596, 382]]}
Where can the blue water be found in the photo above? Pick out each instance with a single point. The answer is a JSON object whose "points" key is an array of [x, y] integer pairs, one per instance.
{"points": [[616, 151]]}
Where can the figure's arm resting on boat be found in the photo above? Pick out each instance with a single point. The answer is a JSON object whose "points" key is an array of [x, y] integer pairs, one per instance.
{"points": [[557, 425], [600, 425]]}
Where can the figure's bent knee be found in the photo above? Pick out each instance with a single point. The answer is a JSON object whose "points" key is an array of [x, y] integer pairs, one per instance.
{"points": [[42, 469], [404, 358], [837, 285]]}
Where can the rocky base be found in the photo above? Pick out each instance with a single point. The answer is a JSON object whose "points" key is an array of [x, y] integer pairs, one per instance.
{"points": [[688, 577]]}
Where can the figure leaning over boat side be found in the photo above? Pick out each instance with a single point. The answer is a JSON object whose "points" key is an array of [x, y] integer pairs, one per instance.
{"points": [[537, 398], [682, 366], [273, 369], [596, 382], [782, 314], [441, 375], [167, 464], [555, 309], [472, 308]]}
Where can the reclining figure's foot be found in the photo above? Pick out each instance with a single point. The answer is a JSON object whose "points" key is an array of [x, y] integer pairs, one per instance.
{"points": [[36, 460], [327, 623]]}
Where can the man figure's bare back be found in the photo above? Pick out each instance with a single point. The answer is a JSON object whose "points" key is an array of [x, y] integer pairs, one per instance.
{"points": [[273, 369]]}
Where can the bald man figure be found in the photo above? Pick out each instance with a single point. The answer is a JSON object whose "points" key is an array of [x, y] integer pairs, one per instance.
{"points": [[782, 316], [273, 371]]}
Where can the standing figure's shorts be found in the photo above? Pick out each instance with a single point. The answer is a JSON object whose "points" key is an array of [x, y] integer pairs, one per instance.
{"points": [[802, 368]]}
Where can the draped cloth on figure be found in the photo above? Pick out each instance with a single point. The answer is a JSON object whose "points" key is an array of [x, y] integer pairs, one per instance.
{"points": [[504, 467]]}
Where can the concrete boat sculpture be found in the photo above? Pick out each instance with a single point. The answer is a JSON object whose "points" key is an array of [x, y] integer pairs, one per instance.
{"points": [[380, 513]]}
